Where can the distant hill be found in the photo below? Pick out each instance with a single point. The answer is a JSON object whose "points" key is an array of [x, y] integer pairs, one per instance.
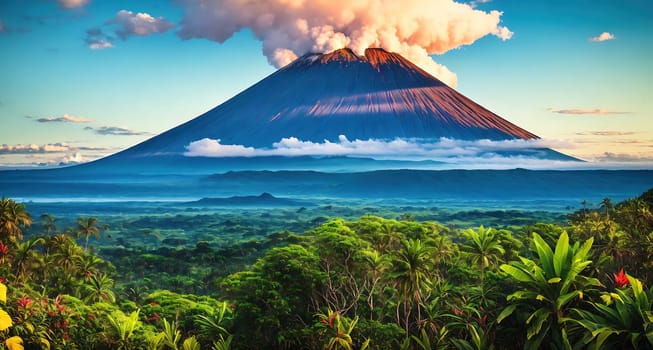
{"points": [[263, 200]]}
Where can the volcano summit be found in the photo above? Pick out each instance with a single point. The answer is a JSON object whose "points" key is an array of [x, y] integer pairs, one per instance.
{"points": [[314, 106]]}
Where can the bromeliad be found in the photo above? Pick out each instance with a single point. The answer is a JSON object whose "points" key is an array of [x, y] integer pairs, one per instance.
{"points": [[620, 279]]}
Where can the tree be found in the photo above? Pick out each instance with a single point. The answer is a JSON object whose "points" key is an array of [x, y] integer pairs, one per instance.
{"points": [[483, 248], [13, 219], [88, 265], [99, 288], [87, 227], [607, 206], [376, 264], [549, 285], [411, 265], [25, 258], [47, 221]]}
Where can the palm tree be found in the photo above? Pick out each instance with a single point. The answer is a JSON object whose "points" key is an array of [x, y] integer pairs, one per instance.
{"points": [[608, 206], [65, 252], [376, 264], [483, 248], [88, 265], [88, 227], [47, 221], [410, 275], [25, 257], [99, 288], [13, 218]]}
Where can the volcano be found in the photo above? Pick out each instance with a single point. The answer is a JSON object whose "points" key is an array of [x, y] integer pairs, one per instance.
{"points": [[338, 96]]}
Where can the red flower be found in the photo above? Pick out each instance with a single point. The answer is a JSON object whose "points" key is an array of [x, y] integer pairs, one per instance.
{"points": [[620, 279], [155, 317], [483, 320], [2, 280], [24, 302], [331, 318], [4, 249]]}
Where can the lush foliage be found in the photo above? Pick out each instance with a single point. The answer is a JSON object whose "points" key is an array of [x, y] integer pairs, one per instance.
{"points": [[364, 283]]}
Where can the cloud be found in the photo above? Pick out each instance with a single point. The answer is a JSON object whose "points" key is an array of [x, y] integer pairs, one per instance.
{"points": [[291, 28], [606, 133], [34, 148], [475, 3], [71, 4], [442, 148], [114, 130], [140, 24], [75, 158], [96, 39], [67, 118], [624, 157], [595, 111], [605, 36], [124, 25]]}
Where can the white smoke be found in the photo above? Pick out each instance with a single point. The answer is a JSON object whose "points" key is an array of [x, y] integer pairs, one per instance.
{"points": [[291, 28]]}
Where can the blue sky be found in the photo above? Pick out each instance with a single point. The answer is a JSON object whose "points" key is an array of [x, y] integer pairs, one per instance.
{"points": [[82, 79]]}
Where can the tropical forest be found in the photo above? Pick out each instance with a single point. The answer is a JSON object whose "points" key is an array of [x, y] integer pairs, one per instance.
{"points": [[327, 277]]}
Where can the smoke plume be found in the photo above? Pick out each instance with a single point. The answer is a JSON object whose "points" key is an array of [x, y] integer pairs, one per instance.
{"points": [[291, 28]]}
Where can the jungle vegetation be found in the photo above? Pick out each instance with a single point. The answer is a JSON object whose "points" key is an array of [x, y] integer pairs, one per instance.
{"points": [[338, 283]]}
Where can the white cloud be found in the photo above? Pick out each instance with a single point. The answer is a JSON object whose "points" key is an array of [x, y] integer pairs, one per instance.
{"points": [[212, 148], [440, 149], [74, 158], [596, 111], [605, 36], [288, 29], [34, 148], [100, 44], [123, 25], [139, 24], [67, 118]]}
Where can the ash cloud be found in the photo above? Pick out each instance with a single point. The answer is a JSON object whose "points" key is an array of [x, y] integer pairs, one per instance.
{"points": [[288, 29]]}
